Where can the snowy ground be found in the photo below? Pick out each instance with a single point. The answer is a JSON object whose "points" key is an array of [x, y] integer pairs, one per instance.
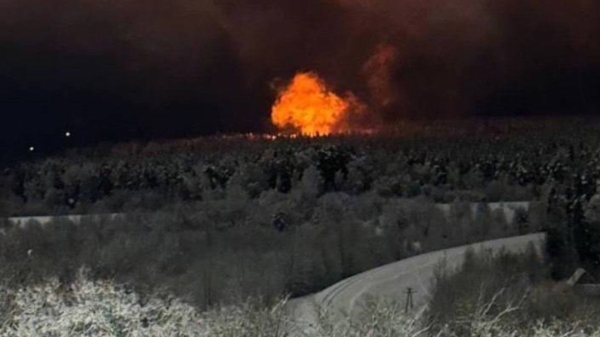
{"points": [[508, 208], [389, 281], [76, 218]]}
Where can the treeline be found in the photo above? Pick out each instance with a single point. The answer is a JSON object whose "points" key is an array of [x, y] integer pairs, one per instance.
{"points": [[507, 161]]}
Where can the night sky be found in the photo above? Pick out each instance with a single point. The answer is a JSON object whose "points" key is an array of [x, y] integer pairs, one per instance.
{"points": [[110, 70]]}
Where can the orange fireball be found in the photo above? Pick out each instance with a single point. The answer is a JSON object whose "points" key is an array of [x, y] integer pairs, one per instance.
{"points": [[307, 107]]}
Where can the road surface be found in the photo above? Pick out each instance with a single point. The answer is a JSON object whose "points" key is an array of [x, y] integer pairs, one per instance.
{"points": [[75, 218], [391, 281]]}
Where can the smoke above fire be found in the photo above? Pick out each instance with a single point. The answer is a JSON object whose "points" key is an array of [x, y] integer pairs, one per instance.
{"points": [[206, 64], [378, 71]]}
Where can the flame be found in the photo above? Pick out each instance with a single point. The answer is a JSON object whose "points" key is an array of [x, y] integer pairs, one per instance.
{"points": [[308, 107]]}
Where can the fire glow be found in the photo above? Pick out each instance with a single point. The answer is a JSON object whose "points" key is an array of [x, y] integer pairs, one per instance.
{"points": [[307, 107]]}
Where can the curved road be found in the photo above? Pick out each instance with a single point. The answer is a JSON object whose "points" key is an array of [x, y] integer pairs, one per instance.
{"points": [[392, 281]]}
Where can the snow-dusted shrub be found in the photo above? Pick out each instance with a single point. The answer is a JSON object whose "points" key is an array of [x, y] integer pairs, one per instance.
{"points": [[102, 308], [96, 308]]}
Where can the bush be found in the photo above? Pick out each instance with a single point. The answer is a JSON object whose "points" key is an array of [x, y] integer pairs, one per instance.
{"points": [[107, 308], [507, 295], [89, 308]]}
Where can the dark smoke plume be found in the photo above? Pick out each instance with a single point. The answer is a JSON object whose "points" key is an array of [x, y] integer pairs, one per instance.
{"points": [[134, 68]]}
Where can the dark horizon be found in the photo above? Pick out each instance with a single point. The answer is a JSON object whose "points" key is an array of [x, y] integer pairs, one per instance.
{"points": [[126, 71]]}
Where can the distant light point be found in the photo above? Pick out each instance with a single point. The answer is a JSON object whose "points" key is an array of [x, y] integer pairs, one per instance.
{"points": [[67, 134], [31, 149]]}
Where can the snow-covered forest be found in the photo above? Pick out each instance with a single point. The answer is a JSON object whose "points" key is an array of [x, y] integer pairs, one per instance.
{"points": [[222, 218], [501, 161]]}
